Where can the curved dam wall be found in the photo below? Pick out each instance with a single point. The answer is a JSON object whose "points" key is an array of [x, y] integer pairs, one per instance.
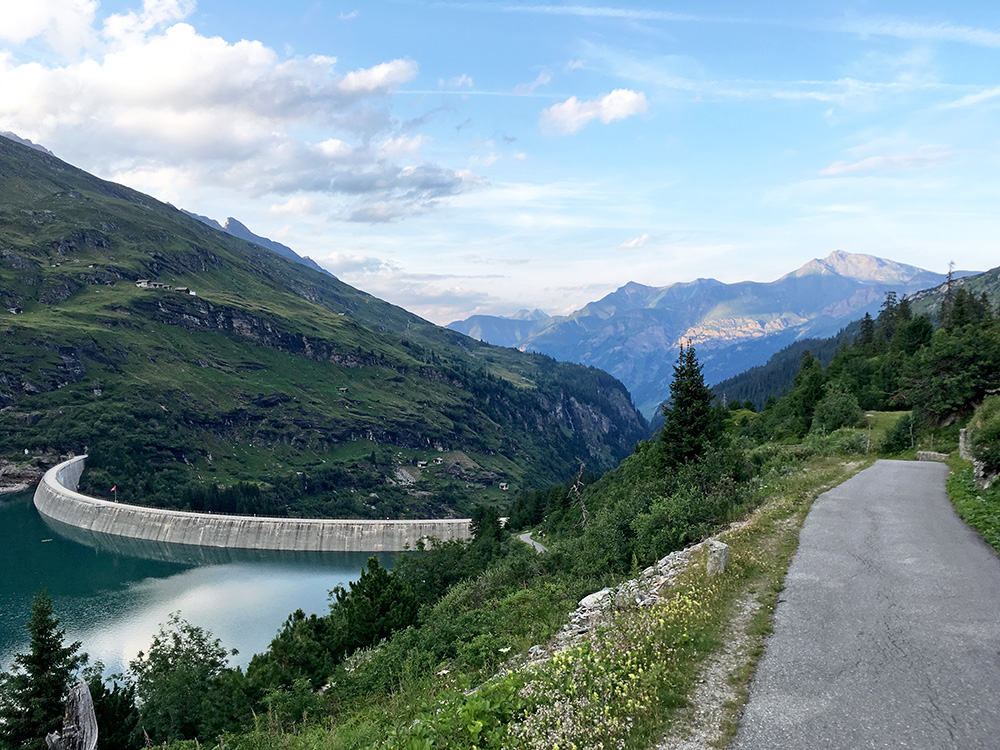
{"points": [[56, 498]]}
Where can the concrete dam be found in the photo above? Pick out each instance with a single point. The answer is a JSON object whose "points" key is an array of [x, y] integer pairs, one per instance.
{"points": [[56, 498]]}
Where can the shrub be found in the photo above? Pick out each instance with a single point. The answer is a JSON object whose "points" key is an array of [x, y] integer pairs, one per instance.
{"points": [[984, 433], [900, 437]]}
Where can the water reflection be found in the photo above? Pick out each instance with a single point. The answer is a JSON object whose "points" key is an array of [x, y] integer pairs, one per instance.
{"points": [[112, 593]]}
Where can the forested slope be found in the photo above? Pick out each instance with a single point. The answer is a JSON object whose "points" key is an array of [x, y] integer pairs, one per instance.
{"points": [[274, 388]]}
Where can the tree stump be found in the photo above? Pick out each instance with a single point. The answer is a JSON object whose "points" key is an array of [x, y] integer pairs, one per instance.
{"points": [[79, 730]]}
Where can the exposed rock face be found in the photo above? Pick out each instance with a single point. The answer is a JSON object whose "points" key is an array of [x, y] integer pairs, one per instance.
{"points": [[18, 478], [634, 332]]}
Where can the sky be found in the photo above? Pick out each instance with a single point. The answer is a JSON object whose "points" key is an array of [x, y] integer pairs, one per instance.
{"points": [[460, 158]]}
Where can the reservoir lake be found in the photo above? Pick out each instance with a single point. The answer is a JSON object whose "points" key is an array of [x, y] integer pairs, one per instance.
{"points": [[113, 593]]}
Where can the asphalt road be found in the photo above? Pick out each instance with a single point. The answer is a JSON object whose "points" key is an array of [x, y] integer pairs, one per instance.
{"points": [[887, 634], [538, 546]]}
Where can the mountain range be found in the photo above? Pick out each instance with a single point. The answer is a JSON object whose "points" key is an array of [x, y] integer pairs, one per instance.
{"points": [[634, 332], [181, 356]]}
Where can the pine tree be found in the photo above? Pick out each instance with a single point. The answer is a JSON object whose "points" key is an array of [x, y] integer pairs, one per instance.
{"points": [[866, 336], [690, 423], [31, 696]]}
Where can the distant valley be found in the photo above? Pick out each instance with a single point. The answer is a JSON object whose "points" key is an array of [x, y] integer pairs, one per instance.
{"points": [[634, 332]]}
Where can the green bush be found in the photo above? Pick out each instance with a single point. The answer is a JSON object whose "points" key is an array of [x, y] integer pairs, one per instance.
{"points": [[984, 433], [901, 436], [838, 408], [845, 442]]}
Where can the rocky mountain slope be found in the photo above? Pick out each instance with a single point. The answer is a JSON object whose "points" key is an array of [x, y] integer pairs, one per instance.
{"points": [[239, 229], [634, 332], [776, 376], [267, 371]]}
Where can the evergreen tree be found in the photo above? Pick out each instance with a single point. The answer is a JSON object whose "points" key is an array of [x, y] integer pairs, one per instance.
{"points": [[888, 317], [486, 524], [115, 710], [32, 695], [808, 389], [690, 423], [866, 336]]}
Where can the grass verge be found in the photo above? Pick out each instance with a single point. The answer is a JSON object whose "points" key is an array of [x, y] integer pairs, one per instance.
{"points": [[630, 682], [977, 507]]}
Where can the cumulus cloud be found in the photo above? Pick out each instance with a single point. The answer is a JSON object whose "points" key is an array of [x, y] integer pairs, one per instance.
{"points": [[570, 116], [183, 110], [124, 29], [925, 156], [381, 78], [635, 243], [67, 25]]}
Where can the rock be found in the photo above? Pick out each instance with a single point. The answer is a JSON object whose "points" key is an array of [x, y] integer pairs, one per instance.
{"points": [[596, 600], [964, 450], [982, 476], [718, 558], [931, 456]]}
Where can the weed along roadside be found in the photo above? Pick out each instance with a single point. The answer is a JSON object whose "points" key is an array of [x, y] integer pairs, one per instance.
{"points": [[662, 658]]}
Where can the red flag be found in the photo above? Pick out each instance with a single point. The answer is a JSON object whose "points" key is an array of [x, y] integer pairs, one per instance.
{"points": [[114, 488]]}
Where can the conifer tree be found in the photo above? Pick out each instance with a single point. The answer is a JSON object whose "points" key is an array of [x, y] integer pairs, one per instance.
{"points": [[32, 694], [866, 336], [690, 423]]}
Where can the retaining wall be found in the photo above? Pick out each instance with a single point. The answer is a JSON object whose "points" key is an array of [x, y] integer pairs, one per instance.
{"points": [[57, 498]]}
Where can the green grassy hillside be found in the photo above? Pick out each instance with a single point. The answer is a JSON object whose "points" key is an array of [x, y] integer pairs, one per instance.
{"points": [[319, 397]]}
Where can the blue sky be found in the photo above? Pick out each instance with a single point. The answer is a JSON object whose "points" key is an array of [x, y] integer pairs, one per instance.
{"points": [[464, 157]]}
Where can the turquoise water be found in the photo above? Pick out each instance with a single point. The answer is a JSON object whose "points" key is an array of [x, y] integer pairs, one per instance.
{"points": [[112, 594]]}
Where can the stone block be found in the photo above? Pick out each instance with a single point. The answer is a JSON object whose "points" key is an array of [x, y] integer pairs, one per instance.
{"points": [[718, 558]]}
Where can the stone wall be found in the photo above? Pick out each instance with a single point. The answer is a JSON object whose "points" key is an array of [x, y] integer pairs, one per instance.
{"points": [[56, 498]]}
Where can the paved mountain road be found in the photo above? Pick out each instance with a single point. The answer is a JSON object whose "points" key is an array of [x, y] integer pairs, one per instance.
{"points": [[537, 546], [887, 634]]}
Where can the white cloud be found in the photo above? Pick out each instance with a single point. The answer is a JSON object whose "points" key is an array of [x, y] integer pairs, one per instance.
{"points": [[298, 205], [943, 32], [184, 110], [334, 148], [635, 243], [486, 160], [571, 115], [542, 79], [348, 16], [382, 78], [402, 145], [462, 81], [347, 264], [67, 25], [126, 29], [925, 156], [972, 99]]}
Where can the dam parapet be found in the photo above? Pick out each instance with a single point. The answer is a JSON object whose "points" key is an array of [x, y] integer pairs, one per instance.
{"points": [[56, 498]]}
